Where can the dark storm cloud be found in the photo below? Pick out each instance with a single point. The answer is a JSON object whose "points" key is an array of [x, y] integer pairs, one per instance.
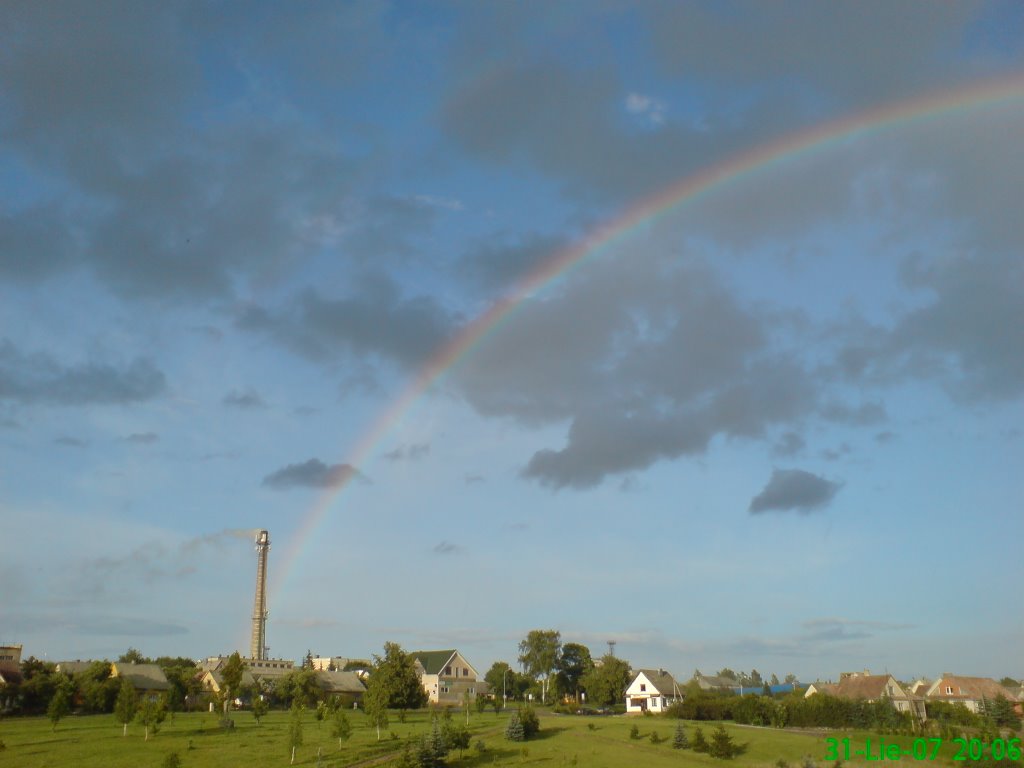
{"points": [[311, 474], [37, 378], [143, 438], [860, 415], [644, 361], [98, 625], [250, 399], [973, 324], [447, 548], [375, 321], [108, 110], [907, 41], [412, 452], [794, 490], [837, 630], [964, 335], [563, 123], [789, 444], [497, 266]]}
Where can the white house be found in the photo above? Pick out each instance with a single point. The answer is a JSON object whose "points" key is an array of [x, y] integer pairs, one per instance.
{"points": [[652, 690]]}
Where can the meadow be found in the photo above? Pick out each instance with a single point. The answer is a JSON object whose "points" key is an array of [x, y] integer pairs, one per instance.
{"points": [[95, 741]]}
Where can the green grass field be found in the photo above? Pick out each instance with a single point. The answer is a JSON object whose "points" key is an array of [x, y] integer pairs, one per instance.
{"points": [[96, 742]]}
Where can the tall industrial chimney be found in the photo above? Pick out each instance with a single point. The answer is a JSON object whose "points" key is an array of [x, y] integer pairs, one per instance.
{"points": [[258, 645]]}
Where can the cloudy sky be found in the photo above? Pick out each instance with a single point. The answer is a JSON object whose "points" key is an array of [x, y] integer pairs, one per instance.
{"points": [[774, 426]]}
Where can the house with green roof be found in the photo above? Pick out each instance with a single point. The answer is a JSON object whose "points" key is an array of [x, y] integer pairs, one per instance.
{"points": [[447, 676]]}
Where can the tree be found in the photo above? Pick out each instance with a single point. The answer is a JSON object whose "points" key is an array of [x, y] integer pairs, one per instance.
{"points": [[395, 672], [726, 672], [341, 729], [133, 656], [755, 678], [606, 683], [514, 728], [1009, 682], [259, 707], [573, 663], [125, 705], [790, 679], [375, 703], [700, 744], [679, 741], [500, 678], [151, 713], [96, 688], [60, 703], [295, 728], [231, 675], [539, 653], [774, 680], [299, 685], [722, 745]]}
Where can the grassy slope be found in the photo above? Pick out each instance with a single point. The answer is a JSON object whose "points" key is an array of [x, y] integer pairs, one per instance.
{"points": [[96, 742]]}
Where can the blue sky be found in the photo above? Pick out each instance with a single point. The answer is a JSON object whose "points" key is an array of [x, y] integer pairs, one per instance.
{"points": [[777, 428]]}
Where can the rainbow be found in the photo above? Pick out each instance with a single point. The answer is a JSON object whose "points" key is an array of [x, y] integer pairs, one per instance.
{"points": [[689, 189]]}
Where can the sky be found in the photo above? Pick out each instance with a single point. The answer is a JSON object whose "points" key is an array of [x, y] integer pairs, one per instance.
{"points": [[690, 326]]}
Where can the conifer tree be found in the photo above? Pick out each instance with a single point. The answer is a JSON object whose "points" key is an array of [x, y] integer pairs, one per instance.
{"points": [[514, 729], [679, 741], [700, 744]]}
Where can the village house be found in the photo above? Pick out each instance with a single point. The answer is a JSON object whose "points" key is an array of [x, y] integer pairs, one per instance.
{"points": [[10, 675], [347, 685], [652, 690], [148, 680], [446, 676], [969, 691], [867, 687]]}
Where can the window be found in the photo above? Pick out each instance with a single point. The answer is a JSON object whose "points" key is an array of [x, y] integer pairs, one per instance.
{"points": [[465, 672], [949, 690], [643, 686], [448, 670]]}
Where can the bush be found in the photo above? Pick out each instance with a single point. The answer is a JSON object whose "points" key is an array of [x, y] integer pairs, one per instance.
{"points": [[173, 760], [722, 745], [655, 738], [531, 725], [700, 744], [634, 732]]}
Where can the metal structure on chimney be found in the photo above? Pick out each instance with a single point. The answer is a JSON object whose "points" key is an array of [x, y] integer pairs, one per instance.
{"points": [[258, 646]]}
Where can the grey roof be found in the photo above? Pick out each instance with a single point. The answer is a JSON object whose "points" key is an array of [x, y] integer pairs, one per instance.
{"points": [[717, 682], [662, 681], [339, 682], [144, 677], [73, 667]]}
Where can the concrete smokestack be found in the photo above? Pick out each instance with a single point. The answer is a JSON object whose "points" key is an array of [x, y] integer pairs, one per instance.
{"points": [[258, 646]]}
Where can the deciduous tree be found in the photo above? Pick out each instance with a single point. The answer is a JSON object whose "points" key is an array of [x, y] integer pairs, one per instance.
{"points": [[126, 705], [573, 663], [295, 728], [395, 672], [60, 702], [606, 684], [538, 653]]}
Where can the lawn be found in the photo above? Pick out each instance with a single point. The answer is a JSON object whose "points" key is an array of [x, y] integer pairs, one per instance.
{"points": [[565, 740]]}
